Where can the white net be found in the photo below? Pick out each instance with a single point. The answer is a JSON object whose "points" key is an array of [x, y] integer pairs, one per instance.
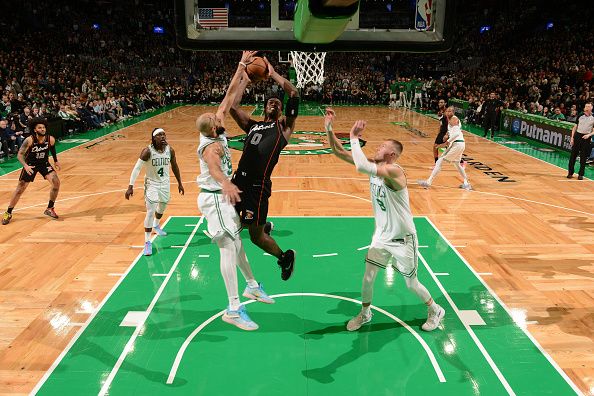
{"points": [[309, 67]]}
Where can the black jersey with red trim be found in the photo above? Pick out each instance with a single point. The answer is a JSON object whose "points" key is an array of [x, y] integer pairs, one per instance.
{"points": [[261, 151], [443, 124], [38, 153]]}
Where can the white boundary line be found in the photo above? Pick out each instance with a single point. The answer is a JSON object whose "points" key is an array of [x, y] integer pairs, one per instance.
{"points": [[107, 134], [130, 344], [323, 191], [325, 255], [469, 329], [534, 341], [182, 349], [89, 320]]}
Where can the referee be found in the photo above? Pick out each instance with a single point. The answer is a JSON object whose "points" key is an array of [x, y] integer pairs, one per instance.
{"points": [[581, 138]]}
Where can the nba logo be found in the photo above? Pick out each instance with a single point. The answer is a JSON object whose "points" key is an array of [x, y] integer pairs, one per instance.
{"points": [[424, 19]]}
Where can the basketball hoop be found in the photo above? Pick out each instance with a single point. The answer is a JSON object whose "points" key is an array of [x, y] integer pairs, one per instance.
{"points": [[309, 67]]}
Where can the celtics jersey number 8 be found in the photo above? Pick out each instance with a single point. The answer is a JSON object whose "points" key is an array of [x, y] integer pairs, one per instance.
{"points": [[391, 209], [205, 179]]}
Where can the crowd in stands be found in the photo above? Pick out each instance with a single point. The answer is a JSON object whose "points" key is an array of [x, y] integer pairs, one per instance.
{"points": [[89, 65]]}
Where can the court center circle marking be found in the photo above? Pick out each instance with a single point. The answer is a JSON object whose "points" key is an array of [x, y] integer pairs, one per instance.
{"points": [[182, 350]]}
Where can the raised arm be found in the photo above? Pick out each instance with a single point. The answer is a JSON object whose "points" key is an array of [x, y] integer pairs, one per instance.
{"points": [[292, 109], [337, 148], [241, 117], [233, 88], [391, 173]]}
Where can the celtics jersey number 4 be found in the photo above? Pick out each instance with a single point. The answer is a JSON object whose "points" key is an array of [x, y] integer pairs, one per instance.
{"points": [[157, 166]]}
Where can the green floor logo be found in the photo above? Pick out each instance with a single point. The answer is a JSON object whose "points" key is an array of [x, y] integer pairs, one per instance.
{"points": [[301, 143]]}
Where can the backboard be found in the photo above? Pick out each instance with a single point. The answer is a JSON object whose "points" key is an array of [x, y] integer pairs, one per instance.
{"points": [[377, 25]]}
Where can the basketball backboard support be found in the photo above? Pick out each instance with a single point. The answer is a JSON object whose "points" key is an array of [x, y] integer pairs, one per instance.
{"points": [[378, 25]]}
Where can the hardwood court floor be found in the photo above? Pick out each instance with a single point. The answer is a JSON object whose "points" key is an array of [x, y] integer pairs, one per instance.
{"points": [[526, 229]]}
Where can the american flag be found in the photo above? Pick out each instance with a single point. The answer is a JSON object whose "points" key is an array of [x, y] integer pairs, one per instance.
{"points": [[213, 17]]}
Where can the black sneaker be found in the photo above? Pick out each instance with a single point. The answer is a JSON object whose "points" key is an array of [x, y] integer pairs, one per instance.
{"points": [[570, 176], [287, 264], [268, 227], [580, 177]]}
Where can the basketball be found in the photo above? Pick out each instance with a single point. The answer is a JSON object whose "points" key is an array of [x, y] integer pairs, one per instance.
{"points": [[257, 70]]}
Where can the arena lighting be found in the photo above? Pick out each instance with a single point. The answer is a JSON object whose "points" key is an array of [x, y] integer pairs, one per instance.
{"points": [[158, 30], [95, 26], [485, 28], [549, 25]]}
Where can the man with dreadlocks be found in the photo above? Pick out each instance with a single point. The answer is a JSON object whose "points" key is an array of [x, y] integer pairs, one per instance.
{"points": [[155, 159]]}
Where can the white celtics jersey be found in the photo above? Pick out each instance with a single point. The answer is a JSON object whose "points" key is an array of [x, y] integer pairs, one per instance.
{"points": [[157, 167], [455, 133], [205, 179], [391, 209]]}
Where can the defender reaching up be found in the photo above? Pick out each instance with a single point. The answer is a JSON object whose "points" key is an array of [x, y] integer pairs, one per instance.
{"points": [[395, 236]]}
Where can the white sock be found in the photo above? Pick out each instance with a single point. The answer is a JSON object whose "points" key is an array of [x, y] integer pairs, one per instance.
{"points": [[435, 171], [227, 264], [368, 281], [147, 236], [156, 222], [461, 171], [234, 303], [243, 264]]}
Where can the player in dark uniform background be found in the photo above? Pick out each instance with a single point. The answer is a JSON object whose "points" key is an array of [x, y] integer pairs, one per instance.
{"points": [[443, 128], [443, 131], [34, 155], [262, 147]]}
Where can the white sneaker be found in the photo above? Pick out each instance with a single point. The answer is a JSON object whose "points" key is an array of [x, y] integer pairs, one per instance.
{"points": [[240, 318], [434, 317], [358, 321], [423, 183], [159, 231], [466, 186]]}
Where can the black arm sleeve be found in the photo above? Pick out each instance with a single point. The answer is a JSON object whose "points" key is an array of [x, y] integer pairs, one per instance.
{"points": [[53, 151], [292, 107]]}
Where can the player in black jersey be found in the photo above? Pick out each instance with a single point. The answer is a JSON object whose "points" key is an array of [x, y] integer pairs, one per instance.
{"points": [[262, 147], [443, 128], [34, 155], [443, 131]]}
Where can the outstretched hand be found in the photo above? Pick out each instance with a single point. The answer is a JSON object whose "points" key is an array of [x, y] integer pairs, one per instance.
{"points": [[271, 70], [247, 57], [329, 119], [358, 128]]}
